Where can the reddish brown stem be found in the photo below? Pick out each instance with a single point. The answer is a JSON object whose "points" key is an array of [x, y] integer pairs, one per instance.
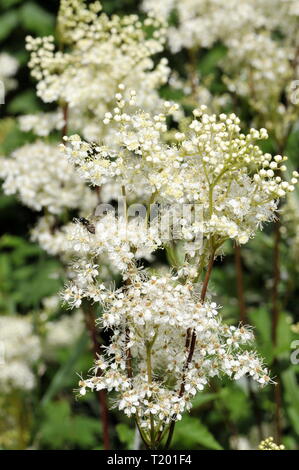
{"points": [[243, 319], [188, 338], [240, 284], [192, 343], [193, 336], [65, 111], [101, 394]]}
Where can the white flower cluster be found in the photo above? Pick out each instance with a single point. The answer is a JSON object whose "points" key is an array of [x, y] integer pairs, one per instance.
{"points": [[262, 65], [261, 38], [20, 350], [42, 124], [213, 164], [101, 52], [201, 23], [116, 238], [260, 69], [149, 318], [8, 68], [269, 444], [168, 340], [63, 332], [42, 178], [52, 239]]}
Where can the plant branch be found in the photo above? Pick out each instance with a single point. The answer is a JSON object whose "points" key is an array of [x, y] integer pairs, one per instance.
{"points": [[240, 284], [65, 111], [191, 339], [101, 394]]}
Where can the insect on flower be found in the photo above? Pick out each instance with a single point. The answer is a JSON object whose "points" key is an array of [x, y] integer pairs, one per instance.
{"points": [[89, 226]]}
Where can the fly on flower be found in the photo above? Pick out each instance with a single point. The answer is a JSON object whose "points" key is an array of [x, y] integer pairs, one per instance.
{"points": [[92, 151], [89, 226]]}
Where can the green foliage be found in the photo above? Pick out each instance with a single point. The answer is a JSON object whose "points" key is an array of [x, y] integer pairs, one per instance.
{"points": [[36, 19], [235, 402], [291, 385], [211, 59], [24, 103], [191, 433], [125, 434], [203, 398], [8, 21], [62, 429], [261, 320], [9, 3], [27, 275], [10, 138], [66, 371]]}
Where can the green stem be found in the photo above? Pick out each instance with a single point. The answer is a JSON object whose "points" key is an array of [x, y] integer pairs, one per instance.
{"points": [[143, 437]]}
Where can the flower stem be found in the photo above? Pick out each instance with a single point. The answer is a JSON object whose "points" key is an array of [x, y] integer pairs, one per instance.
{"points": [[149, 346], [243, 319], [240, 284], [101, 394], [191, 340], [65, 111]]}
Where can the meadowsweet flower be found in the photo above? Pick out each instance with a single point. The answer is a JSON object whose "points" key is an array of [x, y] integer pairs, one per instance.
{"points": [[62, 333], [8, 68], [203, 23], [102, 52], [213, 165], [114, 237], [21, 350], [38, 174], [269, 444], [149, 318], [167, 338], [42, 124]]}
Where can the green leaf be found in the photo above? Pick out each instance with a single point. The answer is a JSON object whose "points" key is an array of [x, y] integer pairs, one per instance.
{"points": [[190, 433], [291, 387], [62, 376], [294, 418], [36, 19], [24, 103], [9, 3], [235, 401], [60, 429], [284, 335], [125, 434], [11, 137], [211, 60], [8, 22], [261, 320], [202, 399]]}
